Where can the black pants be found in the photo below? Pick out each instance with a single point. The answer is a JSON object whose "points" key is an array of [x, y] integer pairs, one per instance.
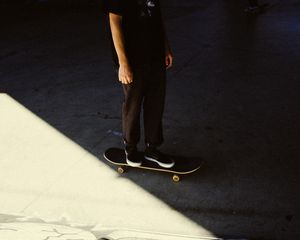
{"points": [[147, 91]]}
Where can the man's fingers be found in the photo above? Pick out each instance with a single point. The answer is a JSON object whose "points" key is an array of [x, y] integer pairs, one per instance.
{"points": [[126, 80], [129, 78], [169, 61], [123, 80], [125, 74]]}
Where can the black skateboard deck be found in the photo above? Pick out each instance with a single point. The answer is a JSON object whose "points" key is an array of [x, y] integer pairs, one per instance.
{"points": [[183, 165]]}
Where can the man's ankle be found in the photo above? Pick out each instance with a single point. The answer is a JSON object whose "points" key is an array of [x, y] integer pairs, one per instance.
{"points": [[130, 148], [151, 146]]}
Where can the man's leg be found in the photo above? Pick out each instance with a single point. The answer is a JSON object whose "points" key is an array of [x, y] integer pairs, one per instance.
{"points": [[133, 98], [153, 113], [154, 104]]}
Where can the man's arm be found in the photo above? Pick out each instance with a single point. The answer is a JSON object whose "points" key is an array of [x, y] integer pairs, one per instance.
{"points": [[125, 72]]}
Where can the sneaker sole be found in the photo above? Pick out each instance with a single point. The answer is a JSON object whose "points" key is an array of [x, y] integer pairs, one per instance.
{"points": [[164, 165], [133, 164]]}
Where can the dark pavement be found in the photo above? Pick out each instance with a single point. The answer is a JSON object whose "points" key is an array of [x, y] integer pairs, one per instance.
{"points": [[233, 100]]}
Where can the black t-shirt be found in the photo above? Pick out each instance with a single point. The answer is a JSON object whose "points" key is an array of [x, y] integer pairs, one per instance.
{"points": [[143, 30]]}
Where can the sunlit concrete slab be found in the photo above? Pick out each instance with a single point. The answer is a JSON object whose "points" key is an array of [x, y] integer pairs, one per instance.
{"points": [[34, 156], [39, 231], [42, 231], [48, 176], [92, 193], [142, 235], [14, 227]]}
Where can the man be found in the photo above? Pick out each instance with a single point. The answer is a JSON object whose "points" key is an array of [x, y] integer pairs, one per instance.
{"points": [[141, 54]]}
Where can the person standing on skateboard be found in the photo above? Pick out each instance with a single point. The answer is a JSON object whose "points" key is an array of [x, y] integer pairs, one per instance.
{"points": [[141, 55]]}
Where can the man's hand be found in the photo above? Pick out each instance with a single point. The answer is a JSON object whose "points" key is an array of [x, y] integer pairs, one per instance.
{"points": [[168, 55], [125, 74], [169, 59]]}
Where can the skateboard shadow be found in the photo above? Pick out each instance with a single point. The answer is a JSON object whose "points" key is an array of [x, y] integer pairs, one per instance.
{"points": [[186, 163]]}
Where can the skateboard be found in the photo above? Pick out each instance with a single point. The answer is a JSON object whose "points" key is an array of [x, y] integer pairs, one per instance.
{"points": [[183, 165]]}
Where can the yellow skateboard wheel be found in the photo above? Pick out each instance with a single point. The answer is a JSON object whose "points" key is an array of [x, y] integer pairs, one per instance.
{"points": [[176, 178], [121, 170]]}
